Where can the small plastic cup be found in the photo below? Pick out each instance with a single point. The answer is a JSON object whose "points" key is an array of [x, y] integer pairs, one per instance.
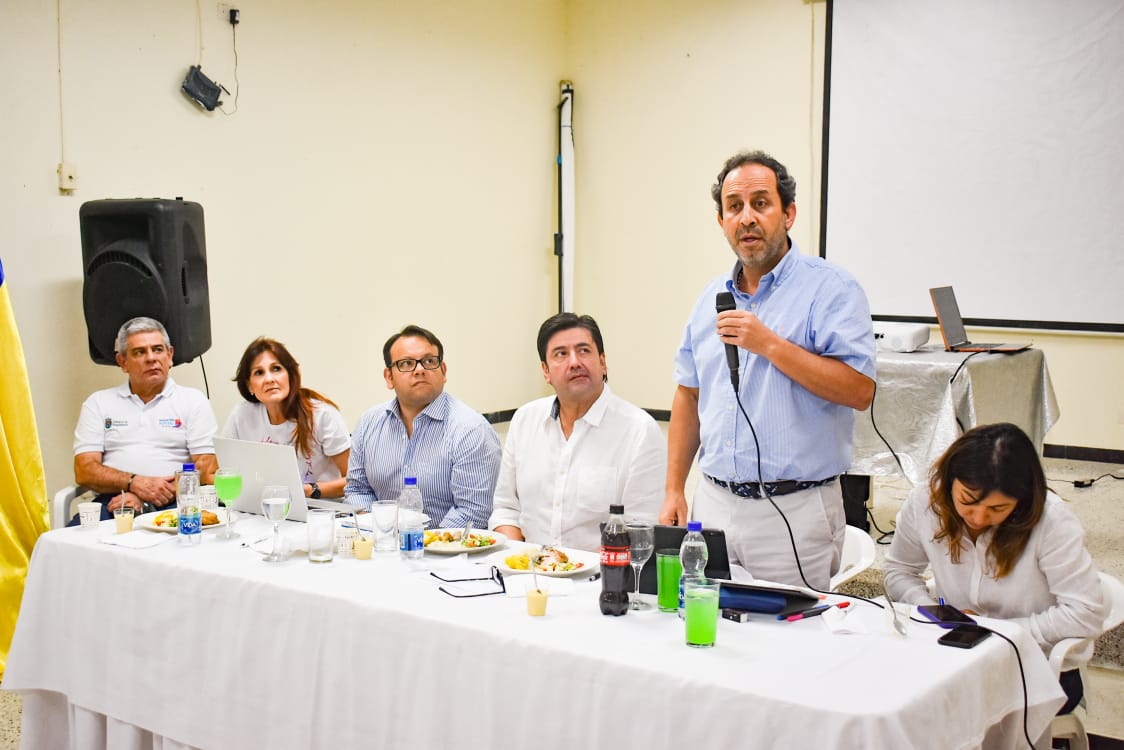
{"points": [[536, 602], [345, 541], [123, 519], [208, 500], [364, 546], [89, 514]]}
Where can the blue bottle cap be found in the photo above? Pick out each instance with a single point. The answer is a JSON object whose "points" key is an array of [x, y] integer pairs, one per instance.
{"points": [[694, 526], [410, 481], [189, 467]]}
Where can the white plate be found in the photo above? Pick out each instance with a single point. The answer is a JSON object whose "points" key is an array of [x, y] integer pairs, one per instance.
{"points": [[455, 548], [147, 520], [591, 563]]}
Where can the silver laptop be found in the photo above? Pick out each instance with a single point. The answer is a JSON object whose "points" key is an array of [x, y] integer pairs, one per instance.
{"points": [[952, 326], [265, 464]]}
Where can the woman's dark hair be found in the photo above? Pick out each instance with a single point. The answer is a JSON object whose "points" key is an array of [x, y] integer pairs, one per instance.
{"points": [[298, 404], [995, 457]]}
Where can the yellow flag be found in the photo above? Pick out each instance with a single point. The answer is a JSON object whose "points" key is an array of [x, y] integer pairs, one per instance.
{"points": [[23, 491]]}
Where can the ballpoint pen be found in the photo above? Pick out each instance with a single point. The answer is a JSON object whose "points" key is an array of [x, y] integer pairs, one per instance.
{"points": [[813, 612]]}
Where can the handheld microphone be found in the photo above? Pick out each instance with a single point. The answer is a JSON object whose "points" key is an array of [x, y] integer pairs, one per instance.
{"points": [[722, 302]]}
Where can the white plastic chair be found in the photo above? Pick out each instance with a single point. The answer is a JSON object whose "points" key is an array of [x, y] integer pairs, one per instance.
{"points": [[61, 510], [858, 555], [1071, 726]]}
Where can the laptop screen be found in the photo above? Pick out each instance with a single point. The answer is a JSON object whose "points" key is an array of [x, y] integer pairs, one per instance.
{"points": [[948, 316], [263, 464]]}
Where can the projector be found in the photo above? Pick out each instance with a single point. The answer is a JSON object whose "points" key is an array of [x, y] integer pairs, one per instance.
{"points": [[901, 337]]}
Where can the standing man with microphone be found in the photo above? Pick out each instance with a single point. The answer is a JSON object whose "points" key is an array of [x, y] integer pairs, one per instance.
{"points": [[799, 331]]}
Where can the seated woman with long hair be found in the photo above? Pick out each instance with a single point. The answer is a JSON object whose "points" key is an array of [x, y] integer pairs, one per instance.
{"points": [[999, 544], [278, 410]]}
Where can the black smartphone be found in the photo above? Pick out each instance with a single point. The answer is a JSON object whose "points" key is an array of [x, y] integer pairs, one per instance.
{"points": [[964, 636], [944, 615]]}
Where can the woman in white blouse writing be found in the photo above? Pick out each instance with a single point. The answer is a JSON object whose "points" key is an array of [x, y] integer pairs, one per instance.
{"points": [[999, 544], [278, 410]]}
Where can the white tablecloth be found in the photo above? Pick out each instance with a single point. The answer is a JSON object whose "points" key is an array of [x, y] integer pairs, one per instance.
{"points": [[921, 413], [210, 647]]}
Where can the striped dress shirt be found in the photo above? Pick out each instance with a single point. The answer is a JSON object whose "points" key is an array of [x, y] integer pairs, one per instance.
{"points": [[453, 452]]}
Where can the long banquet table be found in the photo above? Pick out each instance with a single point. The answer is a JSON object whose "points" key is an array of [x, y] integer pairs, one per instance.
{"points": [[210, 647]]}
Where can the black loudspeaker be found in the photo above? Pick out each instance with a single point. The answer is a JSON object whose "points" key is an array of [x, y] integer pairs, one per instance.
{"points": [[145, 257], [856, 491]]}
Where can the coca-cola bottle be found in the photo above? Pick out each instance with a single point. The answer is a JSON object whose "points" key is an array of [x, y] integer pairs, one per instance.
{"points": [[615, 559]]}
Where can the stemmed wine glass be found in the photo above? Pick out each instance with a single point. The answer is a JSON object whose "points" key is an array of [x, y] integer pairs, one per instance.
{"points": [[228, 486], [640, 549], [275, 502]]}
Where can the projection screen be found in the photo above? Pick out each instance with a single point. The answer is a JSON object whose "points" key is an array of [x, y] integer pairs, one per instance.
{"points": [[978, 144]]}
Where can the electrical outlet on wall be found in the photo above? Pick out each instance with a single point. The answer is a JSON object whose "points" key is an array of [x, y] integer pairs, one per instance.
{"points": [[68, 176]]}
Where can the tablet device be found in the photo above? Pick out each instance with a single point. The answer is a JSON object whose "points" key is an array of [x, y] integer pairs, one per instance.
{"points": [[671, 537]]}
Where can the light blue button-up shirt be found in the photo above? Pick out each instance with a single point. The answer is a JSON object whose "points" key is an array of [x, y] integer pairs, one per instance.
{"points": [[815, 305], [454, 453]]}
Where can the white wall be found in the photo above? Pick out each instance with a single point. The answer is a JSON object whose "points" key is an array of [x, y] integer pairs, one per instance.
{"points": [[394, 162], [388, 163]]}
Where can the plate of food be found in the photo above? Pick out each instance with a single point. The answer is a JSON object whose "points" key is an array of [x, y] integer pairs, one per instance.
{"points": [[554, 562], [169, 520], [449, 541]]}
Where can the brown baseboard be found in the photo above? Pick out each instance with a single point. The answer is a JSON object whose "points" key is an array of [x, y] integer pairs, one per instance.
{"points": [[1078, 453]]}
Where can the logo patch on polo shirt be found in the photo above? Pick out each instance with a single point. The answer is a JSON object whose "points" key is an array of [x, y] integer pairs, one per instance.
{"points": [[175, 424], [110, 423]]}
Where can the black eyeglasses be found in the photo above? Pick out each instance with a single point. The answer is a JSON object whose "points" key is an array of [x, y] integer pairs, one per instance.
{"points": [[409, 365], [496, 577]]}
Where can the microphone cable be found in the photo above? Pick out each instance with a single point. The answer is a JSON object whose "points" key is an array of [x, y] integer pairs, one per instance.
{"points": [[1018, 659], [787, 525]]}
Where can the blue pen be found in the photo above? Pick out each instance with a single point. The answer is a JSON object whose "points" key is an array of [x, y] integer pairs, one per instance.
{"points": [[940, 599]]}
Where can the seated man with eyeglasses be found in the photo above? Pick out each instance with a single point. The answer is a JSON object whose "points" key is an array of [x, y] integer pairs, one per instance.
{"points": [[425, 433]]}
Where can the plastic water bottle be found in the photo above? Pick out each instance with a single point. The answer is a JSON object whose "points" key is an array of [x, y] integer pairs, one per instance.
{"points": [[189, 506], [411, 534], [692, 556]]}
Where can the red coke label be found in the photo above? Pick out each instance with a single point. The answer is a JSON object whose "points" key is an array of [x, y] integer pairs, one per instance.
{"points": [[616, 557]]}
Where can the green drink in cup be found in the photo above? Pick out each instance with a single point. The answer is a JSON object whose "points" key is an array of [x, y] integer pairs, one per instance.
{"points": [[668, 572], [700, 604], [228, 486]]}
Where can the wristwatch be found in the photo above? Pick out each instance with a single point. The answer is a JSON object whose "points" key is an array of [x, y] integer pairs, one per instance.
{"points": [[315, 494]]}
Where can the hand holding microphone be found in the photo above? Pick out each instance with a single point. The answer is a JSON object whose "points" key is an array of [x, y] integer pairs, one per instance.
{"points": [[722, 302]]}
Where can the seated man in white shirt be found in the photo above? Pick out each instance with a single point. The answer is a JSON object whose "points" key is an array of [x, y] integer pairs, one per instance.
{"points": [[130, 440], [568, 457]]}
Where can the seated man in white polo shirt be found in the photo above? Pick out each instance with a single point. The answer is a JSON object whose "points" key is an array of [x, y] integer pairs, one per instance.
{"points": [[131, 440], [567, 457]]}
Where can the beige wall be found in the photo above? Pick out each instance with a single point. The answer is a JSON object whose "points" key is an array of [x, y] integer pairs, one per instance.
{"points": [[394, 162]]}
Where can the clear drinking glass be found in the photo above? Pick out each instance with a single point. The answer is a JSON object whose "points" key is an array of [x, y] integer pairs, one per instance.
{"points": [[275, 503], [228, 487], [640, 549], [384, 525]]}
